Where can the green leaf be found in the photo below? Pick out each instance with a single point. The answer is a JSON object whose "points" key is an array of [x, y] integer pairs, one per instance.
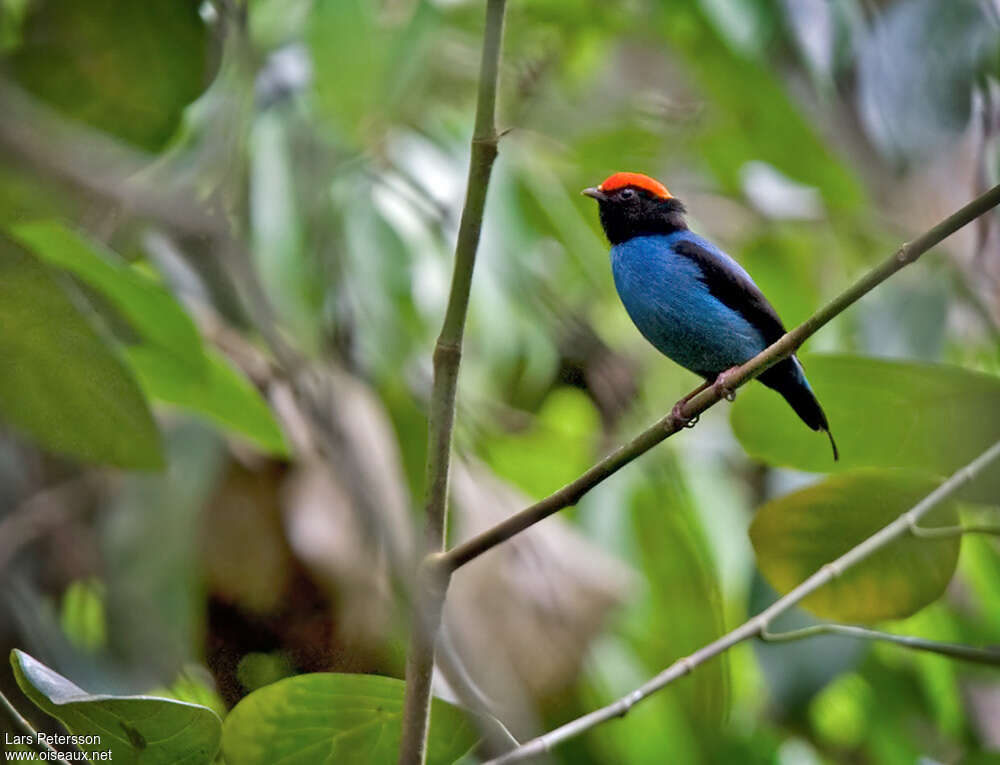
{"points": [[348, 53], [137, 730], [151, 556], [795, 535], [685, 609], [886, 414], [336, 718], [554, 450], [150, 308], [123, 67], [752, 117], [59, 383], [219, 393], [25, 194], [82, 615], [195, 685], [287, 274], [174, 366], [369, 69]]}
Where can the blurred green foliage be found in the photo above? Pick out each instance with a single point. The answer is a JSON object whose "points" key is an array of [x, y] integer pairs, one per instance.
{"points": [[60, 382], [82, 615], [124, 68], [316, 150]]}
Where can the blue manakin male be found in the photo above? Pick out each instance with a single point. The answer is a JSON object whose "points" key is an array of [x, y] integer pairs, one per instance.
{"points": [[690, 299]]}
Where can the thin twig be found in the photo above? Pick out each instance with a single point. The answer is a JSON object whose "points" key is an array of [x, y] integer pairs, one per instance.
{"points": [[431, 589], [946, 532], [497, 737], [757, 625], [667, 426], [953, 650], [38, 743], [40, 513]]}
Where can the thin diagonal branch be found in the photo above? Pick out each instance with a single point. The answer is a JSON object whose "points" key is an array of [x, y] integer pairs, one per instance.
{"points": [[952, 650], [39, 744], [758, 624], [49, 508], [431, 589], [946, 532], [667, 426]]}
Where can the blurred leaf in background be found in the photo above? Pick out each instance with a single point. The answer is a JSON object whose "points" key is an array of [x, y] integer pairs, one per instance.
{"points": [[59, 382], [156, 620], [152, 311], [796, 534], [933, 418], [123, 68], [685, 610]]}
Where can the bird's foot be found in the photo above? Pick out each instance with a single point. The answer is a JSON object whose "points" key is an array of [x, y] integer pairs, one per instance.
{"points": [[678, 414], [723, 384]]}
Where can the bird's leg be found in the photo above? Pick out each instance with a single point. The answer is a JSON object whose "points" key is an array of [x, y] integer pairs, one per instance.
{"points": [[722, 385], [677, 412]]}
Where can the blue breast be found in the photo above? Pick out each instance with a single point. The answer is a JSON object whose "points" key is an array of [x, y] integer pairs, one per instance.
{"points": [[670, 304]]}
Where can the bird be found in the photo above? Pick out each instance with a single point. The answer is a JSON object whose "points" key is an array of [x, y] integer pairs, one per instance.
{"points": [[691, 300]]}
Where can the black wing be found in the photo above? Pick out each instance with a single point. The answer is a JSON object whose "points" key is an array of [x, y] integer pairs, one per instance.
{"points": [[734, 290]]}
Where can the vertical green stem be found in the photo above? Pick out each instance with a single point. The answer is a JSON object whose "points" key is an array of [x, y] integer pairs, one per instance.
{"points": [[431, 587]]}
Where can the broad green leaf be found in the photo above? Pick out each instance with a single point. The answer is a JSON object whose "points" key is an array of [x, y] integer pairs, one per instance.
{"points": [[150, 308], [328, 719], [126, 68], [795, 535], [59, 383], [137, 730], [219, 393], [887, 414]]}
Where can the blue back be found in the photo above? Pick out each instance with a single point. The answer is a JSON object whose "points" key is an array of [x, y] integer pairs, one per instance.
{"points": [[666, 298]]}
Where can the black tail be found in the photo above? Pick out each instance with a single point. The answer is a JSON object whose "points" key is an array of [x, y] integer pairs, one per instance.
{"points": [[788, 379]]}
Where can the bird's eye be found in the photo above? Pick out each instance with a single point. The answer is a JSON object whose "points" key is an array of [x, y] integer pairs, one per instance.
{"points": [[627, 194]]}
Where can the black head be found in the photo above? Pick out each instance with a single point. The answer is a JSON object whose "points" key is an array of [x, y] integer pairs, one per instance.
{"points": [[633, 205]]}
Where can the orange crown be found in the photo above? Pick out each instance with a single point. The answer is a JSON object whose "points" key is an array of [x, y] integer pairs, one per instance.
{"points": [[640, 181]]}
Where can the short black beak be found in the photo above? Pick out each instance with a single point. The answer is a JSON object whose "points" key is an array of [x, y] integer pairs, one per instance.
{"points": [[595, 193]]}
